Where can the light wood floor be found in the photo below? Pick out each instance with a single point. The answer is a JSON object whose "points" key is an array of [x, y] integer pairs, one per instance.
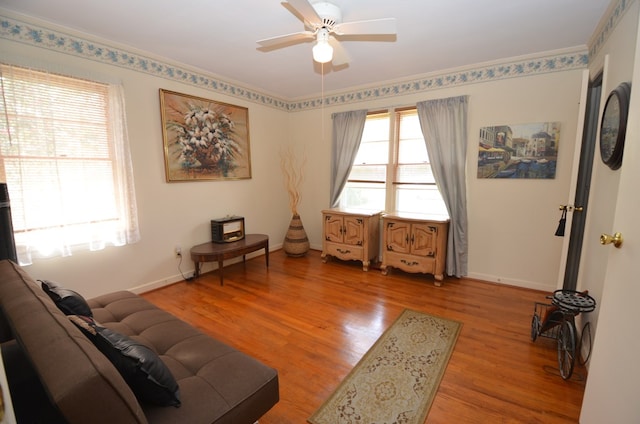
{"points": [[313, 322]]}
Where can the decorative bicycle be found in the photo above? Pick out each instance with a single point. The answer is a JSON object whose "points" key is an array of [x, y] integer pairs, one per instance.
{"points": [[556, 320]]}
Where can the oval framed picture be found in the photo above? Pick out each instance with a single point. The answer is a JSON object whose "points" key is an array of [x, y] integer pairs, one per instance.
{"points": [[613, 126]]}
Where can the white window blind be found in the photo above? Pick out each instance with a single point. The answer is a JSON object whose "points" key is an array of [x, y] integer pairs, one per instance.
{"points": [[64, 155]]}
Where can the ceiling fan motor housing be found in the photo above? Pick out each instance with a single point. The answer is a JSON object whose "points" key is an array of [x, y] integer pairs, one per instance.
{"points": [[329, 12]]}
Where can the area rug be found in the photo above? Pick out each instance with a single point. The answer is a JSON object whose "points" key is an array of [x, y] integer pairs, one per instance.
{"points": [[397, 379]]}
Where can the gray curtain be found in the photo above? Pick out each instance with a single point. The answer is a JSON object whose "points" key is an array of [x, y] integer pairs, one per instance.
{"points": [[444, 126], [347, 133]]}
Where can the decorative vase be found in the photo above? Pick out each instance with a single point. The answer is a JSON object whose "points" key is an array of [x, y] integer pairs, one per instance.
{"points": [[296, 243]]}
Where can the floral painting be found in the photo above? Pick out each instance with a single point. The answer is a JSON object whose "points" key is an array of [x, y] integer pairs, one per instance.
{"points": [[519, 151], [204, 139]]}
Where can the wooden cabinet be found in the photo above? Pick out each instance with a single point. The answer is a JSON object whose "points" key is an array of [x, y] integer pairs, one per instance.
{"points": [[415, 243], [351, 234]]}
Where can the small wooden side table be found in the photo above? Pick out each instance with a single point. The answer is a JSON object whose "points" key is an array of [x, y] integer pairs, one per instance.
{"points": [[211, 252]]}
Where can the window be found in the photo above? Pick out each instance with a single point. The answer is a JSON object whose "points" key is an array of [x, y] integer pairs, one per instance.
{"points": [[366, 185], [64, 157], [391, 171]]}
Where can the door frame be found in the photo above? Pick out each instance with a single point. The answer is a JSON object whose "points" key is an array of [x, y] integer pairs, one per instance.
{"points": [[579, 208], [574, 173]]}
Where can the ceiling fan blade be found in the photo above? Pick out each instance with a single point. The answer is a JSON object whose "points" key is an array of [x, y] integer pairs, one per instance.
{"points": [[340, 55], [286, 39], [374, 26], [307, 11]]}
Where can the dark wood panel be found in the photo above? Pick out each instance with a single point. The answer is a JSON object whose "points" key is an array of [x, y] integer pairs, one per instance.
{"points": [[313, 322]]}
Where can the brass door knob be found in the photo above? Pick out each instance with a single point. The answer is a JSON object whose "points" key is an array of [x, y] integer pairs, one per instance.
{"points": [[616, 239]]}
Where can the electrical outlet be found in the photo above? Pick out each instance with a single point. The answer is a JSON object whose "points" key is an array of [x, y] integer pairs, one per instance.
{"points": [[178, 251]]}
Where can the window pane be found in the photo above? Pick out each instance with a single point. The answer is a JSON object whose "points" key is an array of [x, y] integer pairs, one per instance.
{"points": [[410, 125], [420, 199], [420, 173], [373, 173], [374, 146], [376, 128], [57, 147], [412, 151], [63, 192], [370, 164], [376, 152], [363, 196], [411, 147]]}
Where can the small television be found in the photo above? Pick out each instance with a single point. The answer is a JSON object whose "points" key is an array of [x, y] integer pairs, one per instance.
{"points": [[227, 229]]}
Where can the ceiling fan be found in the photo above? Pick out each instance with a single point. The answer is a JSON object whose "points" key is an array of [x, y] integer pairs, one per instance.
{"points": [[323, 21]]}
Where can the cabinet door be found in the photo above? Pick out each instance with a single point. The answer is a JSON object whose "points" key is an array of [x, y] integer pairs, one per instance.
{"points": [[333, 228], [353, 230], [423, 240], [397, 236]]}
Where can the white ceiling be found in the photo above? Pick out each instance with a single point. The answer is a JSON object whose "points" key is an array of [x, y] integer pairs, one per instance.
{"points": [[219, 36]]}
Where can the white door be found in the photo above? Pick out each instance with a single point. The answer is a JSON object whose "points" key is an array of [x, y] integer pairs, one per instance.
{"points": [[613, 384]]}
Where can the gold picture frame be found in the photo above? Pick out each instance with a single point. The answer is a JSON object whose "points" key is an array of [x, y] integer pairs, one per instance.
{"points": [[204, 139]]}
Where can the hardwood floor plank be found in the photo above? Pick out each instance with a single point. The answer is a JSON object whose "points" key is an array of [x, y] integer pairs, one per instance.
{"points": [[314, 321]]}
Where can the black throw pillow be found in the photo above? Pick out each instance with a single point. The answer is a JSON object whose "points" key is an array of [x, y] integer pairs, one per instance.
{"points": [[68, 301], [142, 369]]}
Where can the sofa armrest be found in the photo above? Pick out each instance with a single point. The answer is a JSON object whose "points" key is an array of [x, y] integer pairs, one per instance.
{"points": [[78, 379]]}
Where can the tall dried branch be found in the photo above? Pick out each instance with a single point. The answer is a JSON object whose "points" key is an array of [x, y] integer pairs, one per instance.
{"points": [[293, 176]]}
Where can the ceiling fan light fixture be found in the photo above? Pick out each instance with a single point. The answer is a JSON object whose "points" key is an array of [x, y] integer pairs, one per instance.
{"points": [[322, 51]]}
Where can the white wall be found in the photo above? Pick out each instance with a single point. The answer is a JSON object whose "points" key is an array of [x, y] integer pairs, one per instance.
{"points": [[169, 213], [511, 222]]}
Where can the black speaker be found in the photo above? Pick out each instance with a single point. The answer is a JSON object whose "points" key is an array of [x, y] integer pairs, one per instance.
{"points": [[7, 242]]}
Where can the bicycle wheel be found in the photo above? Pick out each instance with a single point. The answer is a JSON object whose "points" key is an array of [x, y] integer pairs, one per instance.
{"points": [[566, 348], [585, 343], [535, 327]]}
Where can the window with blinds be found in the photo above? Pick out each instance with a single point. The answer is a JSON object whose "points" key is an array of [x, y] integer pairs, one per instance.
{"points": [[59, 145], [366, 185], [392, 170]]}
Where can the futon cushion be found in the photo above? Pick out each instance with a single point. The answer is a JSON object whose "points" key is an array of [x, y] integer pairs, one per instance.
{"points": [[68, 301], [142, 369], [218, 384]]}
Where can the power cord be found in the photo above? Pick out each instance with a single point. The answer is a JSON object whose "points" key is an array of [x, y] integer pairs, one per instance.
{"points": [[180, 270]]}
